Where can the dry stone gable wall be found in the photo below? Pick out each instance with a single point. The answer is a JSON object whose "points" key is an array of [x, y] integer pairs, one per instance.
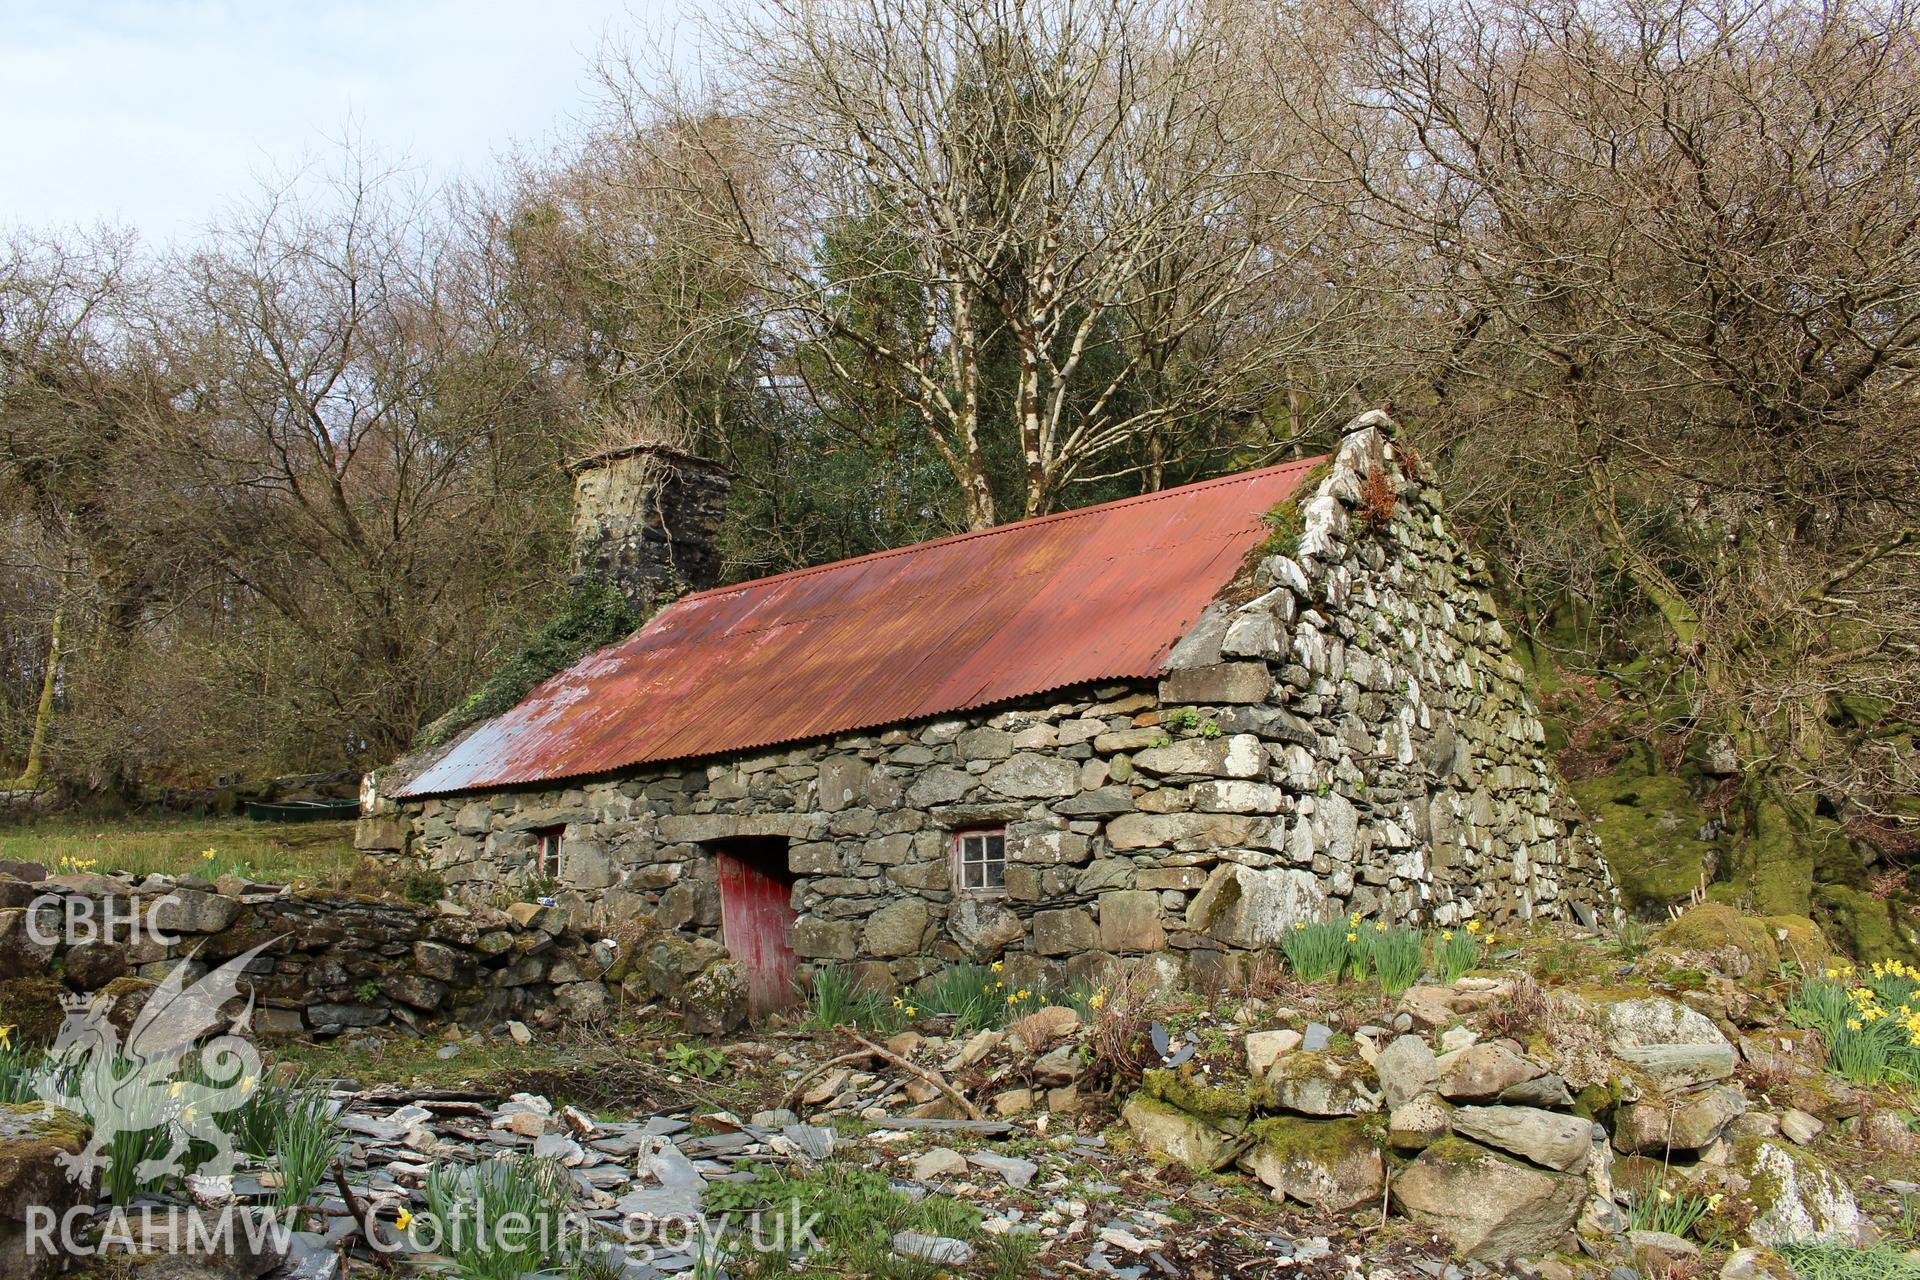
{"points": [[1346, 731]]}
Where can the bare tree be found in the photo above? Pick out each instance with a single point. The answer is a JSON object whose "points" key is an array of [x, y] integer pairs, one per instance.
{"points": [[1660, 270], [1072, 200]]}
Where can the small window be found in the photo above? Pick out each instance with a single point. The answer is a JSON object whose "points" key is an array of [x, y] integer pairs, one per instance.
{"points": [[980, 860], [546, 859]]}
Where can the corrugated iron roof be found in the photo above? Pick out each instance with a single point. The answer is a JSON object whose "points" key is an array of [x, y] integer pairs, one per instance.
{"points": [[1101, 593]]}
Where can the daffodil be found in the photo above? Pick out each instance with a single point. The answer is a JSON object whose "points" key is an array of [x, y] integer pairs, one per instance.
{"points": [[1446, 935], [404, 1219], [1713, 1202], [6, 1036], [998, 966], [1299, 925], [1665, 1195], [912, 1012], [1381, 927], [1353, 937], [1473, 926]]}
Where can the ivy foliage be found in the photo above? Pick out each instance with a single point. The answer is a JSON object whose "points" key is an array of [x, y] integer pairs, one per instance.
{"points": [[593, 616]]}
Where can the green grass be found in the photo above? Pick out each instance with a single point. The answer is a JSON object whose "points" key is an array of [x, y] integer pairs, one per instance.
{"points": [[1831, 1260], [1661, 1210], [310, 852], [833, 999], [859, 1214], [1458, 951]]}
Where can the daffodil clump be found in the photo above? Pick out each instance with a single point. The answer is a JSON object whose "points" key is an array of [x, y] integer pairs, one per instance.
{"points": [[72, 866], [17, 1067], [1326, 950], [1675, 1213], [1869, 1018]]}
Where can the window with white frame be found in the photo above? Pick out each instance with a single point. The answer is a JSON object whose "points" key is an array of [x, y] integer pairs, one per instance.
{"points": [[980, 860]]}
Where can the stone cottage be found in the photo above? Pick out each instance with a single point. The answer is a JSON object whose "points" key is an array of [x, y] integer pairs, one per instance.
{"points": [[1149, 734]]}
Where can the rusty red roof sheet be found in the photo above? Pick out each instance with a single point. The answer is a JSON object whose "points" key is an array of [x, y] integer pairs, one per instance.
{"points": [[1101, 593]]}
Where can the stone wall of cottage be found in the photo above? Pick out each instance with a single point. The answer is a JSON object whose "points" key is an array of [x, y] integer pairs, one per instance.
{"points": [[1344, 732]]}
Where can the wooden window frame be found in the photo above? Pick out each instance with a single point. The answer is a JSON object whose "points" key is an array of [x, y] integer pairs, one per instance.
{"points": [[986, 861], [546, 852]]}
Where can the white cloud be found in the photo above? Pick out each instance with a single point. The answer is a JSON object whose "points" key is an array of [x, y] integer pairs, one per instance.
{"points": [[158, 113]]}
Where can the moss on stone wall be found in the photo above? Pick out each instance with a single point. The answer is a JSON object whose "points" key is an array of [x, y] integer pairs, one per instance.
{"points": [[1649, 830]]}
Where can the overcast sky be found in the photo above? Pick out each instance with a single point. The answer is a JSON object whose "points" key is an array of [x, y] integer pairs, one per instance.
{"points": [[156, 113]]}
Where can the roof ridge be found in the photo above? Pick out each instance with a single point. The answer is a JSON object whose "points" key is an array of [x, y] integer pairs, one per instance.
{"points": [[1026, 522]]}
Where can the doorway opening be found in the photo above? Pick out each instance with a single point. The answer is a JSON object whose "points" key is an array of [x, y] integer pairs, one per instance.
{"points": [[756, 917]]}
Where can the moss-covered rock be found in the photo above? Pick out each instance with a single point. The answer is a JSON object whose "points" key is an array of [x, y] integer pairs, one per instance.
{"points": [[1867, 927], [1332, 1165], [1166, 1130], [1320, 1084], [1212, 1102], [1790, 1195], [1649, 829], [34, 1143], [32, 1007]]}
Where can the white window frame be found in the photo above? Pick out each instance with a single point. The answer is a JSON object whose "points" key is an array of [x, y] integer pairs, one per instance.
{"points": [[980, 848]]}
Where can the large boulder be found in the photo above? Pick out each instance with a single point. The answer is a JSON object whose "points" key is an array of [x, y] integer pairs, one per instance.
{"points": [[33, 1139], [1242, 907], [1791, 1195], [1406, 1068], [1675, 1045], [982, 930], [1331, 1165], [1486, 1205], [1169, 1131], [1548, 1138], [26, 949]]}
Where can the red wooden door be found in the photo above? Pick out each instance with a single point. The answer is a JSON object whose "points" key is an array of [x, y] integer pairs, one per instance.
{"points": [[756, 918]]}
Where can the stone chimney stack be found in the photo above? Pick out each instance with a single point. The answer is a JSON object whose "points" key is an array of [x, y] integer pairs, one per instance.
{"points": [[647, 519]]}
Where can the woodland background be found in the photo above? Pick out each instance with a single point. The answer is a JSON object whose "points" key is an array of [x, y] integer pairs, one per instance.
{"points": [[1640, 278]]}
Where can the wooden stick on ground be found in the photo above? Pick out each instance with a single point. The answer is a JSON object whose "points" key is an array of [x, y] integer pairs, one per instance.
{"points": [[931, 1077], [868, 1049], [364, 1216]]}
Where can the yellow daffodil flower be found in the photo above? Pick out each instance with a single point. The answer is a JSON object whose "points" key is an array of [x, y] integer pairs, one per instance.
{"points": [[1353, 937], [405, 1218], [6, 1037], [1473, 926], [1446, 935]]}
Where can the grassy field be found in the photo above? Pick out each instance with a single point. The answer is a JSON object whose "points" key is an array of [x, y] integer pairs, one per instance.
{"points": [[312, 852]]}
